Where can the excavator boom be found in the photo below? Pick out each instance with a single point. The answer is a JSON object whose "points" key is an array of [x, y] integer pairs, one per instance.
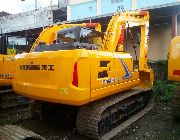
{"points": [[49, 34], [113, 40]]}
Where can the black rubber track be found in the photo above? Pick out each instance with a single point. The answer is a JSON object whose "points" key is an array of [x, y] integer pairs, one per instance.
{"points": [[176, 104], [13, 132], [90, 115]]}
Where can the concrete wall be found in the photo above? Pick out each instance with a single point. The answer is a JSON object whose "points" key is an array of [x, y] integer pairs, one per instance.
{"points": [[158, 43], [63, 3], [78, 9], [109, 7], [82, 10], [27, 20], [74, 2]]}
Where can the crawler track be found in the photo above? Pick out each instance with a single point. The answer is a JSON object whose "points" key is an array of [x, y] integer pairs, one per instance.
{"points": [[176, 104], [12, 132], [105, 118], [10, 101]]}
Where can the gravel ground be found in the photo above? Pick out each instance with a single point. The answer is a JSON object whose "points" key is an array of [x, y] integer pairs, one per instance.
{"points": [[158, 124]]}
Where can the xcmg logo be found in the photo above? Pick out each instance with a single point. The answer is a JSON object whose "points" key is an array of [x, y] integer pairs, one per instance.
{"points": [[6, 75], [37, 67]]}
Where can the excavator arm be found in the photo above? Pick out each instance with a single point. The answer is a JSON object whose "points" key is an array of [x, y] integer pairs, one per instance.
{"points": [[125, 20], [49, 34], [75, 75], [114, 34]]}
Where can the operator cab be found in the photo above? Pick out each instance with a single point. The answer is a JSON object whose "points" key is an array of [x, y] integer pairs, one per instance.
{"points": [[74, 38], [3, 44], [12, 45]]}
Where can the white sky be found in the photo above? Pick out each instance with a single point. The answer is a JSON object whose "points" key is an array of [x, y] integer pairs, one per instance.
{"points": [[18, 6]]}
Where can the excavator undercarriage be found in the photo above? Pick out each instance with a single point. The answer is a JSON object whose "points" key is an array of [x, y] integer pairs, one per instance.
{"points": [[99, 119], [105, 118]]}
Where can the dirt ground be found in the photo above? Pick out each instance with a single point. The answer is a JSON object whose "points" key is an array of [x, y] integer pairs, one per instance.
{"points": [[158, 124]]}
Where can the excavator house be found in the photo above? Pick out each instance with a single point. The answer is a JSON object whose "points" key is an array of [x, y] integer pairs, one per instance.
{"points": [[86, 69]]}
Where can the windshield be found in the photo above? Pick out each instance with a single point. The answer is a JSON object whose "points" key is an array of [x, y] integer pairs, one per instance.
{"points": [[85, 36], [67, 37], [91, 37], [12, 45]]}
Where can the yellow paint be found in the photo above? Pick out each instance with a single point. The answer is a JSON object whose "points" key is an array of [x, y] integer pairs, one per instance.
{"points": [[174, 59], [11, 51], [56, 86], [48, 35], [6, 69], [64, 90]]}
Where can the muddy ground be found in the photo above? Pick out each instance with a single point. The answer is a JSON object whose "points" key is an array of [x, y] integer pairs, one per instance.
{"points": [[158, 124]]}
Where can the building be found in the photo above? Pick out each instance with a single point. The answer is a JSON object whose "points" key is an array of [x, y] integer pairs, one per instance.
{"points": [[79, 9], [164, 19], [23, 28], [63, 3]]}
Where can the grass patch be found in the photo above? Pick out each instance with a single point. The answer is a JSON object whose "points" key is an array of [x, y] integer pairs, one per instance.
{"points": [[164, 90]]}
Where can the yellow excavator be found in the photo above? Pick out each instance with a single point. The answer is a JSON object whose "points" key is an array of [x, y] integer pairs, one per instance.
{"points": [[6, 73], [81, 68], [8, 99], [7, 55], [174, 73], [7, 65], [6, 62]]}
